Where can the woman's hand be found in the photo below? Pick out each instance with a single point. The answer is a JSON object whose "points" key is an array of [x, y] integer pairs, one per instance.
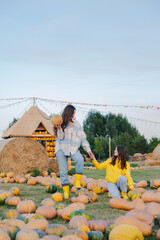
{"points": [[71, 124], [91, 155], [58, 126]]}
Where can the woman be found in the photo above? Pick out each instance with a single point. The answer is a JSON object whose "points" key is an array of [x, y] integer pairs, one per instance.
{"points": [[69, 137], [117, 173]]}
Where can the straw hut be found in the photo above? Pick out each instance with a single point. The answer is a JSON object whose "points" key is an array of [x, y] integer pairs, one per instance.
{"points": [[34, 124]]}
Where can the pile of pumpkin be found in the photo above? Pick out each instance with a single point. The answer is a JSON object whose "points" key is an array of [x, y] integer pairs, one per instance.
{"points": [[143, 209]]}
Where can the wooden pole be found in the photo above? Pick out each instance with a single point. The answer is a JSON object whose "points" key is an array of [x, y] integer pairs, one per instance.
{"points": [[109, 146]]}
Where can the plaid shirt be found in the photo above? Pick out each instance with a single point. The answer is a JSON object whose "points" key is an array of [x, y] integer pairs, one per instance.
{"points": [[71, 139]]}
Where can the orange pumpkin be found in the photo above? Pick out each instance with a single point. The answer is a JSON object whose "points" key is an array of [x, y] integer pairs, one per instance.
{"points": [[26, 206], [98, 225], [56, 119], [120, 203], [143, 227], [77, 221], [47, 211], [82, 199]]}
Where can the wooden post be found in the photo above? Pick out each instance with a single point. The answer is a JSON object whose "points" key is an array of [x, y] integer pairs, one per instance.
{"points": [[109, 146], [69, 163]]}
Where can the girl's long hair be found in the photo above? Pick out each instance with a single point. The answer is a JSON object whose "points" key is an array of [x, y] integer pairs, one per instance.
{"points": [[122, 156], [67, 116]]}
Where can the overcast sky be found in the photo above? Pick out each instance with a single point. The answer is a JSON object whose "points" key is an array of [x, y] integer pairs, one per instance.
{"points": [[82, 51]]}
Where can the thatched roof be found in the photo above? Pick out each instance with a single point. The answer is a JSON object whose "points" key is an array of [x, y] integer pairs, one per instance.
{"points": [[28, 123]]}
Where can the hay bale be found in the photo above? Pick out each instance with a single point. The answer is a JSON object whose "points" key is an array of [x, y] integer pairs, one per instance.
{"points": [[137, 157], [19, 155], [152, 162], [156, 153], [53, 165]]}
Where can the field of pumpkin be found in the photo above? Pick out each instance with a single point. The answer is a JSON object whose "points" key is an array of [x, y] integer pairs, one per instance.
{"points": [[28, 203]]}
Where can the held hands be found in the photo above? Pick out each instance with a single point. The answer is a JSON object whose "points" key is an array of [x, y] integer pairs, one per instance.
{"points": [[91, 155], [58, 126]]}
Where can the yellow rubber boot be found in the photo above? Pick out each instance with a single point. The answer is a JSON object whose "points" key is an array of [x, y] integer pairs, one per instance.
{"points": [[66, 191], [78, 180], [124, 195]]}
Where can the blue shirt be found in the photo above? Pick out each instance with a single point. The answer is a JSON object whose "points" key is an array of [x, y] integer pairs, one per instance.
{"points": [[71, 139]]}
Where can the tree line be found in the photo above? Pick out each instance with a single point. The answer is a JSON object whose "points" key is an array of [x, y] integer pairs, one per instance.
{"points": [[99, 127]]}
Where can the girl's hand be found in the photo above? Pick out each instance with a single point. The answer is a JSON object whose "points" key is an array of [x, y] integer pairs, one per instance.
{"points": [[71, 124], [58, 127], [91, 155]]}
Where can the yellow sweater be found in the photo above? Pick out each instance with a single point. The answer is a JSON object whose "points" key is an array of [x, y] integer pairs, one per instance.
{"points": [[114, 172]]}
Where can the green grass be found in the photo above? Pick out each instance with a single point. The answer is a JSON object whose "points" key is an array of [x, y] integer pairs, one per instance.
{"points": [[97, 210]]}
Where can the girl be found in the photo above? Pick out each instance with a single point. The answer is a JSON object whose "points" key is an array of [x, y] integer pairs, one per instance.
{"points": [[117, 173], [69, 137]]}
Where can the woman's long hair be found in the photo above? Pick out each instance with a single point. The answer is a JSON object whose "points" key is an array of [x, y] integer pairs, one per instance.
{"points": [[122, 156], [67, 116]]}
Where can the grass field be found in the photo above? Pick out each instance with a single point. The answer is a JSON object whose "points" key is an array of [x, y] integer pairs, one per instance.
{"points": [[97, 210]]}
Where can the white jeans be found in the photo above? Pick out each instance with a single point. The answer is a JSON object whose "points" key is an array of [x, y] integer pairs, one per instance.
{"points": [[115, 189], [63, 165]]}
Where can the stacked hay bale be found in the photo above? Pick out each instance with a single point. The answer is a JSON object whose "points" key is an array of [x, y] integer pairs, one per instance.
{"points": [[20, 155], [53, 165], [154, 160]]}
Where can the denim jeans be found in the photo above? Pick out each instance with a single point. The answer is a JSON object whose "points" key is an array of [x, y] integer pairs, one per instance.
{"points": [[63, 165], [115, 189]]}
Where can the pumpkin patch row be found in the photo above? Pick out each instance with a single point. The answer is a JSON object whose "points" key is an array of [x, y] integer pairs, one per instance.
{"points": [[82, 197]]}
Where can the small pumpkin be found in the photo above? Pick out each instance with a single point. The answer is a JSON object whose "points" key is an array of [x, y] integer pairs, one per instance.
{"points": [[107, 231], [51, 188], [80, 212], [47, 202], [56, 119], [81, 191], [11, 214], [79, 233], [120, 203], [77, 221], [10, 174], [82, 199], [74, 206], [31, 181], [98, 225], [12, 231], [12, 201], [141, 184], [57, 197], [26, 206], [143, 227], [41, 224], [133, 194], [60, 205], [83, 228], [56, 229], [27, 234], [15, 190], [98, 190], [98, 235], [155, 183], [47, 211], [125, 231]]}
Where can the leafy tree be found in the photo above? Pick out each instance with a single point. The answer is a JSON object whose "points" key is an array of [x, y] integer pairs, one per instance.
{"points": [[153, 143], [13, 122], [140, 144], [97, 128]]}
